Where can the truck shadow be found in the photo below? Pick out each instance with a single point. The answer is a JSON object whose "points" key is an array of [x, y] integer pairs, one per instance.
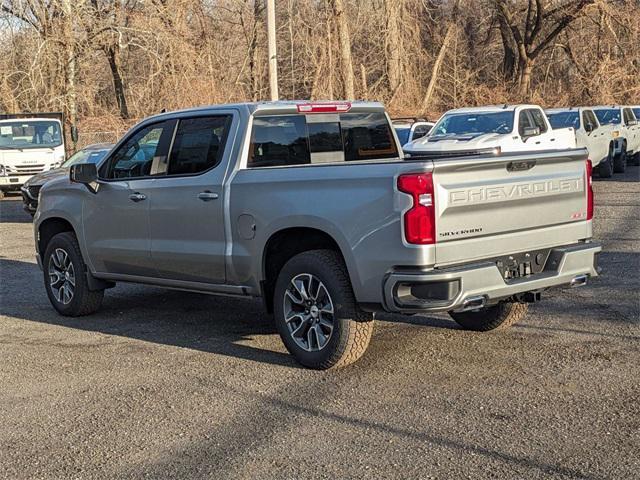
{"points": [[11, 210], [221, 325]]}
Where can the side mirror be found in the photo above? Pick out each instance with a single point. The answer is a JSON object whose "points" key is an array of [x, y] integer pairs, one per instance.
{"points": [[85, 173], [531, 132], [589, 127]]}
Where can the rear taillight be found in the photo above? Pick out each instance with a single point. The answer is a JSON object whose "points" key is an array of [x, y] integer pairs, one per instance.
{"points": [[420, 219], [589, 190]]}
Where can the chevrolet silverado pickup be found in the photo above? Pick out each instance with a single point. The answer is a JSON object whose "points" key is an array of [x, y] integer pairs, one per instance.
{"points": [[626, 131], [312, 207], [491, 129]]}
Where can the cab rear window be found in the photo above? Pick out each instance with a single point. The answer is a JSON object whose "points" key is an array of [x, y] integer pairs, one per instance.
{"points": [[287, 140]]}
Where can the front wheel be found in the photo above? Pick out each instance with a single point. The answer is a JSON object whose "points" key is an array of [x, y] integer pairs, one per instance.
{"points": [[65, 278], [316, 313], [498, 316]]}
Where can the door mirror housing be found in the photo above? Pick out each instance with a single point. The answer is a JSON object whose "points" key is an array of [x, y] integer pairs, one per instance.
{"points": [[531, 132], [85, 173], [589, 127]]}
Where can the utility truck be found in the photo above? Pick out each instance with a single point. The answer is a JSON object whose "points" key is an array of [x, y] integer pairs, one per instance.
{"points": [[313, 207], [491, 130], [30, 143]]}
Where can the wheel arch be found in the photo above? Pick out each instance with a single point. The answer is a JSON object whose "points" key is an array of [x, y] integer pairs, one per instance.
{"points": [[284, 244], [50, 227]]}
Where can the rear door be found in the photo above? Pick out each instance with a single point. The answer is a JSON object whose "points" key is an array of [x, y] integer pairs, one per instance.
{"points": [[186, 216], [512, 203]]}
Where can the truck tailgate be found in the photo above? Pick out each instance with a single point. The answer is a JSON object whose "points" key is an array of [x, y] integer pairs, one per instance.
{"points": [[510, 203]]}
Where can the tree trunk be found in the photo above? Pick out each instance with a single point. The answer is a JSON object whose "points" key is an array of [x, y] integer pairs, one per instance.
{"points": [[436, 70], [393, 42], [345, 48], [70, 70], [118, 84], [509, 58], [524, 84]]}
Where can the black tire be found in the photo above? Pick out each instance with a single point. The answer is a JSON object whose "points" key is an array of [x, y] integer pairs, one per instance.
{"points": [[498, 316], [620, 162], [82, 300], [351, 327], [635, 159], [605, 168]]}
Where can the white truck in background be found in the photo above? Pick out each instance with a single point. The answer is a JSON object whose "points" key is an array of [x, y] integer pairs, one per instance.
{"points": [[626, 129], [491, 129], [409, 129], [598, 139], [30, 143]]}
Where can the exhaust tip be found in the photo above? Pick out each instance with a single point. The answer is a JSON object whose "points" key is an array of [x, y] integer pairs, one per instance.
{"points": [[473, 303], [579, 280]]}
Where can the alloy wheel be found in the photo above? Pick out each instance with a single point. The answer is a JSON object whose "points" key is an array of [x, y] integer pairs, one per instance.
{"points": [[308, 312], [62, 279]]}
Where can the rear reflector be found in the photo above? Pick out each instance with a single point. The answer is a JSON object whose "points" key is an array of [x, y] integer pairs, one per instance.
{"points": [[419, 220], [333, 107], [589, 190]]}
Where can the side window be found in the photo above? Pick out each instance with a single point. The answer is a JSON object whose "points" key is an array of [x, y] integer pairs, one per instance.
{"points": [[524, 122], [285, 140], [591, 118], [198, 144], [279, 140], [628, 116], [142, 155], [367, 136], [538, 119], [420, 131]]}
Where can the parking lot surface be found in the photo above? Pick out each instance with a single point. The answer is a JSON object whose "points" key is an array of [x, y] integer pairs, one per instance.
{"points": [[167, 384]]}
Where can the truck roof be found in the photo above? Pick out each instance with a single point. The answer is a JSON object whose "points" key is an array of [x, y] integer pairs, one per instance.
{"points": [[565, 109], [31, 119], [283, 106], [492, 108]]}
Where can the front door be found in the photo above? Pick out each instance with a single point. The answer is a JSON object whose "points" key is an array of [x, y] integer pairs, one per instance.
{"points": [[186, 213], [116, 217]]}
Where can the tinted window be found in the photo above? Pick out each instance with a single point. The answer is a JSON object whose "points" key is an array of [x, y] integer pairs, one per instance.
{"points": [[293, 140], [636, 111], [198, 144], [474, 123], [564, 120], [590, 118], [608, 116], [142, 154], [538, 119], [279, 140], [367, 136]]}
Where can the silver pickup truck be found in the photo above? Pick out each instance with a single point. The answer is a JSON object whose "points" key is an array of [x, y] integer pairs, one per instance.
{"points": [[312, 207]]}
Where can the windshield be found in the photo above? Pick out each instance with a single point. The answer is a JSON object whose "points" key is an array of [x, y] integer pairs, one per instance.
{"points": [[564, 119], [608, 116], [403, 134], [474, 123], [30, 134], [85, 156]]}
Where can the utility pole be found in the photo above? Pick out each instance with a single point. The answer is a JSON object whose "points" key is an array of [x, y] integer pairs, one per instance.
{"points": [[273, 57]]}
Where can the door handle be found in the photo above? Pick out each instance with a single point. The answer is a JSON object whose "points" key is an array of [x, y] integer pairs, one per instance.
{"points": [[137, 197], [207, 195]]}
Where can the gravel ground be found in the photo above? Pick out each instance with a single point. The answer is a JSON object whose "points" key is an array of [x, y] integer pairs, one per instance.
{"points": [[164, 384]]}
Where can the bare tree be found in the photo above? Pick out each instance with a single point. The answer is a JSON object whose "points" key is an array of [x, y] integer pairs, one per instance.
{"points": [[344, 38]]}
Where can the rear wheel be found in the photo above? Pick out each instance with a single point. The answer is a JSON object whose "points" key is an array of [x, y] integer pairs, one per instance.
{"points": [[620, 162], [498, 316], [65, 278], [316, 313], [635, 160]]}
